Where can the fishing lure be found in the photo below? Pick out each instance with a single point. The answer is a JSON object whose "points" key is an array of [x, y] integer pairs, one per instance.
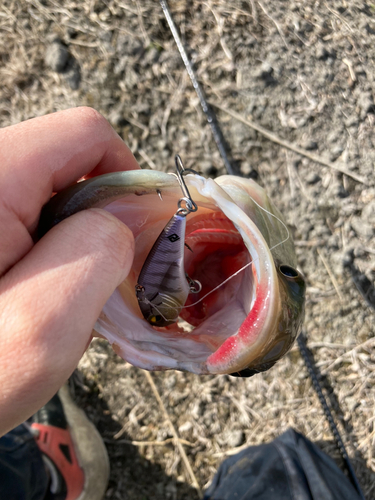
{"points": [[163, 286]]}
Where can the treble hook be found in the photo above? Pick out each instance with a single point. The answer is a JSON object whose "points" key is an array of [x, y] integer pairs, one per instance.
{"points": [[190, 205]]}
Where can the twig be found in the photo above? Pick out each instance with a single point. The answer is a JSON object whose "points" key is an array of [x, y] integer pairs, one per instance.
{"points": [[147, 443], [335, 13], [272, 137], [232, 451], [91, 45], [141, 24], [331, 275], [369, 250], [366, 440], [220, 31], [176, 96], [275, 23], [254, 11], [291, 180], [350, 68], [147, 159], [368, 343], [136, 123], [126, 7], [174, 432], [328, 345]]}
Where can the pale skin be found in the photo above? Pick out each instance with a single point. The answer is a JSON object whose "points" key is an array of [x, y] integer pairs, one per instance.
{"points": [[52, 291]]}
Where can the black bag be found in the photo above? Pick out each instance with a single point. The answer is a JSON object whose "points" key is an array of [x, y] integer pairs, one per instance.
{"points": [[289, 468]]}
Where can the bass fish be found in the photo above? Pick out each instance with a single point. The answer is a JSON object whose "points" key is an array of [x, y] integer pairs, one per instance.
{"points": [[248, 305]]}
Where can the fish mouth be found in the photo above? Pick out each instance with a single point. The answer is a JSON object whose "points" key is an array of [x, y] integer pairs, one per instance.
{"points": [[229, 322], [217, 253], [251, 305]]}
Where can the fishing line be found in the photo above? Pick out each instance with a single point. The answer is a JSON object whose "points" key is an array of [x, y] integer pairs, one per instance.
{"points": [[235, 273], [158, 311], [249, 263]]}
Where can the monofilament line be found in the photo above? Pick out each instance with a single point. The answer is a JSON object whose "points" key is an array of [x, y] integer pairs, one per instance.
{"points": [[237, 272], [249, 263]]}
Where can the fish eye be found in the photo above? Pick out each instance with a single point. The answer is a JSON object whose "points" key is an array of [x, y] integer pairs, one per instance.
{"points": [[288, 271]]}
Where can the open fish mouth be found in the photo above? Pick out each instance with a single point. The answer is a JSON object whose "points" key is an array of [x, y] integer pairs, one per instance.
{"points": [[251, 305]]}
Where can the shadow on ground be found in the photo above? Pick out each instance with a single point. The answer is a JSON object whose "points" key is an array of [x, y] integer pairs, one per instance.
{"points": [[132, 476], [364, 475], [135, 477]]}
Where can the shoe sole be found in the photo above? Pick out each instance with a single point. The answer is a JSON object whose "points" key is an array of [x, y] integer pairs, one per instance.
{"points": [[91, 451]]}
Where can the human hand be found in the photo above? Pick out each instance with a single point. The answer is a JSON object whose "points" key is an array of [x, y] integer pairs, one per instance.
{"points": [[52, 292]]}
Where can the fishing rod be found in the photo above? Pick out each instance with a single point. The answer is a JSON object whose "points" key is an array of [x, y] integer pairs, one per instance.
{"points": [[309, 362], [226, 156], [221, 143]]}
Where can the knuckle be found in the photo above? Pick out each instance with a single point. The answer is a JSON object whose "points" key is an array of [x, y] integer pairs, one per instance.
{"points": [[91, 118]]}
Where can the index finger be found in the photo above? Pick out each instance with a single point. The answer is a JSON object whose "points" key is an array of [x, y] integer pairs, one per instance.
{"points": [[47, 154]]}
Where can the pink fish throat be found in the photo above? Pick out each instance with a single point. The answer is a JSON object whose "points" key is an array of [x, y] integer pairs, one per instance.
{"points": [[217, 253]]}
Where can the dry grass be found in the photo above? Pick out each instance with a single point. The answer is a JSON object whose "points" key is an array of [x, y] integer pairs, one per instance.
{"points": [[304, 71]]}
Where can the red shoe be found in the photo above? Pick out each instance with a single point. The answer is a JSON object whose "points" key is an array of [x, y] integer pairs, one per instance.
{"points": [[73, 451]]}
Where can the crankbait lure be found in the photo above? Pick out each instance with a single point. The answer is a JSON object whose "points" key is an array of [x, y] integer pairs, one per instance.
{"points": [[163, 286]]}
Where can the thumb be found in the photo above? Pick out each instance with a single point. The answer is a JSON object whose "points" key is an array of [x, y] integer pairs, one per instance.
{"points": [[49, 302]]}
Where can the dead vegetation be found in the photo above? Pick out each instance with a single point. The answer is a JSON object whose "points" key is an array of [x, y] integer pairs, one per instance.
{"points": [[305, 72]]}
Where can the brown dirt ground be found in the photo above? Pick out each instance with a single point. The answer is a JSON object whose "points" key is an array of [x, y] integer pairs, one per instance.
{"points": [[305, 71]]}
